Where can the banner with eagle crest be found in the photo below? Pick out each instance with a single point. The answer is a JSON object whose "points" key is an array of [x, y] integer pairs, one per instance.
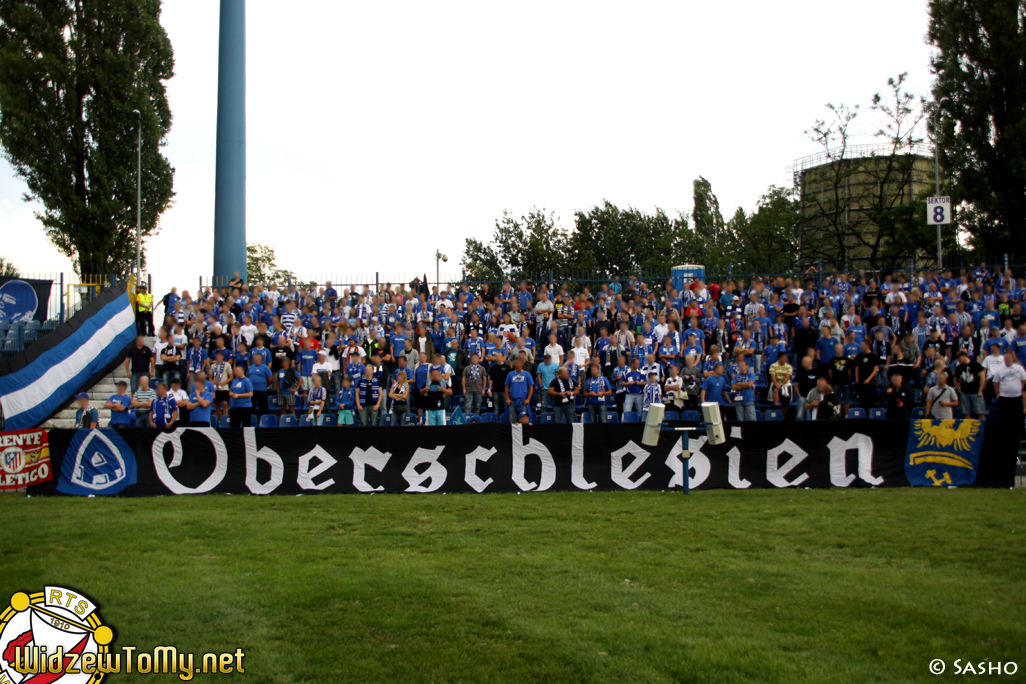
{"points": [[943, 452]]}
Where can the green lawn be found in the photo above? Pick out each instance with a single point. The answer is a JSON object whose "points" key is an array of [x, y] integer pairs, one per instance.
{"points": [[722, 586]]}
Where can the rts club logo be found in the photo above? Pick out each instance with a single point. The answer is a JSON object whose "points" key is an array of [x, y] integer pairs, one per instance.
{"points": [[53, 635]]}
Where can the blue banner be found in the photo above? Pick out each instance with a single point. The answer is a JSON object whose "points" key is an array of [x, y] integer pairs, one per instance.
{"points": [[97, 462], [943, 453]]}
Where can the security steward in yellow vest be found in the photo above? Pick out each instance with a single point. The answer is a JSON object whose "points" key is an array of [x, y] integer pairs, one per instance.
{"points": [[143, 312]]}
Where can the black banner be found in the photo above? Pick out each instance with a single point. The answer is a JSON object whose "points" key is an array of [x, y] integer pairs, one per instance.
{"points": [[497, 458], [24, 299]]}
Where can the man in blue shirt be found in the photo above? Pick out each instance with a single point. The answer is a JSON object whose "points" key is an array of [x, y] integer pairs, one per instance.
{"points": [[259, 374], [547, 371], [305, 360], [241, 405], [714, 387], [634, 381], [163, 409], [596, 389], [519, 389], [825, 346], [119, 405], [199, 405], [743, 388]]}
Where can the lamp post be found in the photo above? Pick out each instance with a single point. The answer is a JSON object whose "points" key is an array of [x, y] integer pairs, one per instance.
{"points": [[138, 197], [936, 176], [439, 257]]}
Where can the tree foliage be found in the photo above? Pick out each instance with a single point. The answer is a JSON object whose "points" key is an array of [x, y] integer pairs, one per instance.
{"points": [[979, 115], [71, 74], [8, 269], [525, 247], [861, 204], [262, 266]]}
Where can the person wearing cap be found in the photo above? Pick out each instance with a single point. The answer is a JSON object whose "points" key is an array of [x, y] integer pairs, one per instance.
{"points": [[163, 409], [970, 379], [86, 416], [142, 400], [120, 405], [143, 311]]}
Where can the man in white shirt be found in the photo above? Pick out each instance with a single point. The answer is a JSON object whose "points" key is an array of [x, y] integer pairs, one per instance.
{"points": [[1008, 381], [553, 349], [994, 361], [248, 330]]}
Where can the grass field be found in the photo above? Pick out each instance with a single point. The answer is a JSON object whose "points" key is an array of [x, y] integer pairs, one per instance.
{"points": [[722, 586]]}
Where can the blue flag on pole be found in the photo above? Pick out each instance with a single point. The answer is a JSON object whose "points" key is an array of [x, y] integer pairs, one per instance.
{"points": [[457, 417]]}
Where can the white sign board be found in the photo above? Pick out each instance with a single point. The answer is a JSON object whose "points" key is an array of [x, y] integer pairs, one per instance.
{"points": [[938, 211]]}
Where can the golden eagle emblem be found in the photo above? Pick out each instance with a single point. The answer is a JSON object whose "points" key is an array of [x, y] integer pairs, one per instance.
{"points": [[943, 434]]}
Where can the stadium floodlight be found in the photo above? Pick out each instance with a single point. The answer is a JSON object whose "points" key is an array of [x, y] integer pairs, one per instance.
{"points": [[711, 414], [439, 257]]}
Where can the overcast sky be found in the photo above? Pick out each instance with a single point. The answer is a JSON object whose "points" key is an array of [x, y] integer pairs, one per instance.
{"points": [[379, 132]]}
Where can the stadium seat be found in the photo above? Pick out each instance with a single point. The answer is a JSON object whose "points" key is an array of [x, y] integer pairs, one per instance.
{"points": [[287, 420], [4, 325], [253, 420], [272, 403], [488, 417], [33, 325], [547, 419], [758, 415], [691, 415], [611, 417], [671, 415], [268, 421], [330, 420], [878, 413], [773, 415], [306, 420], [918, 413], [411, 419], [856, 412], [30, 335], [630, 416], [991, 412], [226, 421], [585, 417], [386, 420]]}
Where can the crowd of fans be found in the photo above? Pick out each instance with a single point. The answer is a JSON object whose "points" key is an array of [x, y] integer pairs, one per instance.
{"points": [[953, 344]]}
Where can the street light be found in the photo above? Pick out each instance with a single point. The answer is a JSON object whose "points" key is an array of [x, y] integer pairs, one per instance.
{"points": [[138, 198], [438, 258]]}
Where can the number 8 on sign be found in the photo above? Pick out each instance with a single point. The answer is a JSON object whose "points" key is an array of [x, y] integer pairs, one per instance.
{"points": [[938, 211]]}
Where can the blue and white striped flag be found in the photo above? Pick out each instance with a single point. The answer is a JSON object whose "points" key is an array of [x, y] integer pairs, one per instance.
{"points": [[41, 381]]}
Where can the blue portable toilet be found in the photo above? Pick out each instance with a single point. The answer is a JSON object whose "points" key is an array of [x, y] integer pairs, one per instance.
{"points": [[686, 274]]}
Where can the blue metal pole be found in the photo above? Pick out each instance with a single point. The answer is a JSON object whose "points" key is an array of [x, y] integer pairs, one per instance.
{"points": [[230, 180]]}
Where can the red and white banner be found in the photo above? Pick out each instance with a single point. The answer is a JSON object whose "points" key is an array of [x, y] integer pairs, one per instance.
{"points": [[24, 459]]}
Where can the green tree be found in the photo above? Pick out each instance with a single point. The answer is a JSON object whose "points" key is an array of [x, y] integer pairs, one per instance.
{"points": [[262, 266], [979, 113], [625, 241], [528, 247], [768, 240], [8, 269], [71, 74]]}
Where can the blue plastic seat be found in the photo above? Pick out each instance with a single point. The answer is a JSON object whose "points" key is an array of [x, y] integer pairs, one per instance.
{"points": [[488, 417], [547, 419], [386, 420], [773, 415], [585, 417], [33, 325], [691, 415], [630, 416], [253, 420], [272, 403], [878, 413], [918, 413], [671, 415], [268, 421], [330, 419], [287, 420], [758, 415], [226, 421], [856, 412], [306, 420], [611, 417]]}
